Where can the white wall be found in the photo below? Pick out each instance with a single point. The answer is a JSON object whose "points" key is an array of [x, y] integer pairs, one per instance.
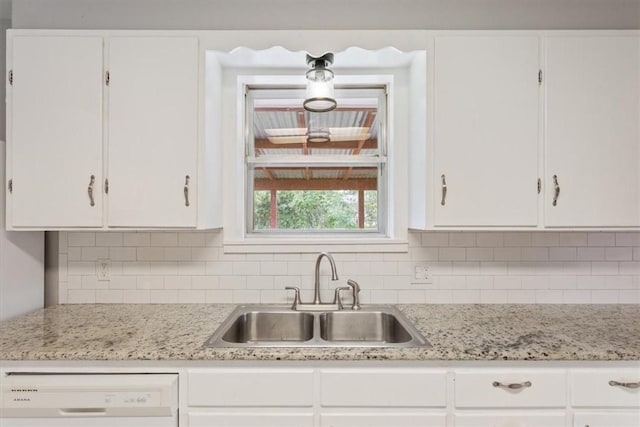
{"points": [[328, 14], [467, 267]]}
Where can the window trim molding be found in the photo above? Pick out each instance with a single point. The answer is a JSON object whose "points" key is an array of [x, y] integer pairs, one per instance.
{"points": [[398, 80]]}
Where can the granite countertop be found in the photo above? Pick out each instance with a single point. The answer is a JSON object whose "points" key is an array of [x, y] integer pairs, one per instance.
{"points": [[457, 332]]}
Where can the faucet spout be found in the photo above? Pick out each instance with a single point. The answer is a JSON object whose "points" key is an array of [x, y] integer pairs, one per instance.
{"points": [[334, 275]]}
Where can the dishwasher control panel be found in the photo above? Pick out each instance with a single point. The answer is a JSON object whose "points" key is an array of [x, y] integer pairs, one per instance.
{"points": [[72, 394]]}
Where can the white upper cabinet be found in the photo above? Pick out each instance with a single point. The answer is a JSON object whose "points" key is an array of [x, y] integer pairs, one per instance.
{"points": [[592, 131], [54, 132], [486, 128], [153, 131]]}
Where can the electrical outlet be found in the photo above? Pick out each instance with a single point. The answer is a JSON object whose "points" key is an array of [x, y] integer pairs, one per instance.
{"points": [[103, 268], [421, 274]]}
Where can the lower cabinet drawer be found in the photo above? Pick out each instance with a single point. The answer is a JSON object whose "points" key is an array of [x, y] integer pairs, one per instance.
{"points": [[605, 387], [250, 387], [383, 387], [197, 419], [606, 419], [383, 420], [510, 388], [514, 419]]}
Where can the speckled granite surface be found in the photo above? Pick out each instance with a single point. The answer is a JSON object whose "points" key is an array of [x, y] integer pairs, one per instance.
{"points": [[457, 332]]}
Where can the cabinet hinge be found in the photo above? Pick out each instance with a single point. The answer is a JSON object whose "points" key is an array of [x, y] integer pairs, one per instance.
{"points": [[106, 186], [107, 78], [539, 185], [539, 77], [11, 77], [10, 186]]}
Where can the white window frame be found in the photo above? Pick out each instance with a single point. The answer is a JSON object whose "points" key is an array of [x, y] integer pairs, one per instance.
{"points": [[379, 161], [236, 238]]}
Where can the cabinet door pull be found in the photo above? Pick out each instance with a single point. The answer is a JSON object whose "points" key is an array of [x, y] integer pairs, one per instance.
{"points": [[556, 190], [512, 386], [635, 385], [90, 190], [444, 190], [186, 190]]}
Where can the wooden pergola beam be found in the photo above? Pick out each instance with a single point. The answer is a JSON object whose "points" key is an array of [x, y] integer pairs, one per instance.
{"points": [[363, 184], [371, 144]]}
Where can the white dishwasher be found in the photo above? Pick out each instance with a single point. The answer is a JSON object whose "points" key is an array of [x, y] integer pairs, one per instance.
{"points": [[96, 400]]}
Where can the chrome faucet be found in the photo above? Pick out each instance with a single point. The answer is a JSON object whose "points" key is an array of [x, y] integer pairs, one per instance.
{"points": [[334, 275], [317, 304]]}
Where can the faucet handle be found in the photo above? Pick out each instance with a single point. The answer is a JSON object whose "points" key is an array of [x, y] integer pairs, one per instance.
{"points": [[336, 298], [356, 290], [296, 297]]}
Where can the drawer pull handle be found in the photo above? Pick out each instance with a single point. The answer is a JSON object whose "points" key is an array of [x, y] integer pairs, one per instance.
{"points": [[444, 190], [556, 190], [512, 386], [92, 181], [186, 191], [624, 385]]}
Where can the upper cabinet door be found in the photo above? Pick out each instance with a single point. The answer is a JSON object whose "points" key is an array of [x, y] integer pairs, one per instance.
{"points": [[486, 131], [55, 132], [592, 131], [153, 131]]}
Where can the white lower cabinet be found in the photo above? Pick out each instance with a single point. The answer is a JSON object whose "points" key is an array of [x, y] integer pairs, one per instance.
{"points": [[383, 420], [413, 396], [511, 419], [197, 419], [607, 419]]}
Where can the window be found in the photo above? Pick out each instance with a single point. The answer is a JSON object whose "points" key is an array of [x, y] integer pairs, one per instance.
{"points": [[316, 172]]}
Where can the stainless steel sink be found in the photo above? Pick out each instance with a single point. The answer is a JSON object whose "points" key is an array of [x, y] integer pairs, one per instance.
{"points": [[372, 326], [278, 326], [257, 326]]}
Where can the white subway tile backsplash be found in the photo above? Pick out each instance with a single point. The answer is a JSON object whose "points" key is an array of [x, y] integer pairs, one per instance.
{"points": [[436, 239], [479, 254], [452, 254], [177, 282], [205, 282], [93, 253], [81, 238], [563, 254], [109, 239], [136, 297], [462, 239], [122, 254], [164, 239], [123, 282], [605, 297], [109, 296], [572, 239], [598, 238], [191, 239], [618, 254], [545, 239], [177, 254], [81, 296], [150, 254], [517, 239], [590, 254], [487, 267], [490, 239], [136, 239], [191, 296]]}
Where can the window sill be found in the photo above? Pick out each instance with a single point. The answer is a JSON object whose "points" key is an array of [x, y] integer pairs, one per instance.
{"points": [[298, 245]]}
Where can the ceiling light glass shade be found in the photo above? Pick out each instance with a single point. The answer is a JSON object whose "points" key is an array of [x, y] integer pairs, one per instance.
{"points": [[320, 92], [321, 135]]}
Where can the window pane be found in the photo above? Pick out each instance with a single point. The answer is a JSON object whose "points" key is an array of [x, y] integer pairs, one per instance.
{"points": [[283, 127], [313, 210]]}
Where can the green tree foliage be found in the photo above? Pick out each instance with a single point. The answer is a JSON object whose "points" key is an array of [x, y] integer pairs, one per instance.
{"points": [[315, 210]]}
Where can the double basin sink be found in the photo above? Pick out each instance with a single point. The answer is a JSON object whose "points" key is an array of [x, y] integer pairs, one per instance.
{"points": [[276, 326]]}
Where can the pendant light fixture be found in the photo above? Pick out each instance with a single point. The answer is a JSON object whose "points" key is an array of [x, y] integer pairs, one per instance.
{"points": [[320, 93]]}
